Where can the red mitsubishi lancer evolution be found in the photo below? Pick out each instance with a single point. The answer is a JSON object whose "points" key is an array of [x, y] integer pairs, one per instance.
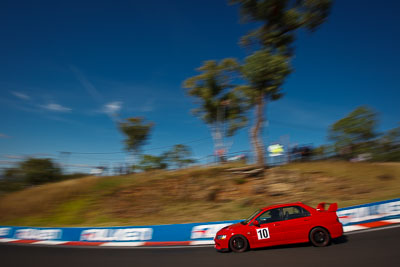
{"points": [[281, 224]]}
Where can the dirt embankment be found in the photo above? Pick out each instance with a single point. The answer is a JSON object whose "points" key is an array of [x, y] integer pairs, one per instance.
{"points": [[196, 194]]}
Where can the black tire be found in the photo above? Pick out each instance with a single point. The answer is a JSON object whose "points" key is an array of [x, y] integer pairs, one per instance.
{"points": [[238, 243], [320, 237]]}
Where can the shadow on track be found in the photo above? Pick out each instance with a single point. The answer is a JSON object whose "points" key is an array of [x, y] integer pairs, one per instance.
{"points": [[336, 241]]}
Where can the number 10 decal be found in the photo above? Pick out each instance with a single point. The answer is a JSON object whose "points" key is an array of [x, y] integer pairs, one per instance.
{"points": [[263, 233]]}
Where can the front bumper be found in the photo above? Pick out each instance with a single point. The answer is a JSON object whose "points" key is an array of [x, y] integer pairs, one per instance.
{"points": [[221, 244]]}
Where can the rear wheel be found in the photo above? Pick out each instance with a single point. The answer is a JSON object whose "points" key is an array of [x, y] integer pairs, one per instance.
{"points": [[238, 243], [320, 237]]}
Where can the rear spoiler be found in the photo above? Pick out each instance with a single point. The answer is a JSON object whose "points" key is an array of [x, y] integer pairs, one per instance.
{"points": [[332, 207]]}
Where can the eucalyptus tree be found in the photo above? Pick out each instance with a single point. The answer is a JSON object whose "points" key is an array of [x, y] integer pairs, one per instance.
{"points": [[265, 73], [280, 19], [179, 156], [151, 162], [137, 132], [389, 145], [266, 69], [351, 134], [218, 104], [39, 171]]}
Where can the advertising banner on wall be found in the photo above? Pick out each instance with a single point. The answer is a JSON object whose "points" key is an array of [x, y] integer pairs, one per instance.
{"points": [[383, 210]]}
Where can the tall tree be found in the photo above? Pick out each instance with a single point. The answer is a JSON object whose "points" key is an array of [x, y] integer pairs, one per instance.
{"points": [[265, 73], [279, 21], [179, 155], [137, 132], [392, 137], [388, 148], [12, 173], [352, 133], [218, 104], [39, 171], [151, 162]]}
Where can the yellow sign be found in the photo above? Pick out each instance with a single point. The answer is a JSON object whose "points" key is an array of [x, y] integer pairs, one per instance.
{"points": [[275, 150]]}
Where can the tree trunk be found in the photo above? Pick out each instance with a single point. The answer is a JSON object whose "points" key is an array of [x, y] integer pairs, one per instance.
{"points": [[256, 129]]}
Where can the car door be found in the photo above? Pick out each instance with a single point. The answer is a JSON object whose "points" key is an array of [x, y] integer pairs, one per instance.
{"points": [[269, 231], [296, 223]]}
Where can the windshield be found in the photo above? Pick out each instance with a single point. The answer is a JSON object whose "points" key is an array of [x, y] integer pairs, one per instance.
{"points": [[251, 217]]}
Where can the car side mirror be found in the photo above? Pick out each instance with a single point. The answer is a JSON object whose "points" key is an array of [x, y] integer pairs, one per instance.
{"points": [[256, 223]]}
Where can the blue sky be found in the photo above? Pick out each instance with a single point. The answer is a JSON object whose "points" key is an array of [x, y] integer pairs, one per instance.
{"points": [[67, 66]]}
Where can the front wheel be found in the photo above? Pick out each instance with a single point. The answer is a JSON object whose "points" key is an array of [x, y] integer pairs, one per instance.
{"points": [[238, 243], [320, 237]]}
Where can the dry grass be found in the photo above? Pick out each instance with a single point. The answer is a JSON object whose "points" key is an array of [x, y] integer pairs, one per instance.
{"points": [[350, 183], [43, 198], [196, 194]]}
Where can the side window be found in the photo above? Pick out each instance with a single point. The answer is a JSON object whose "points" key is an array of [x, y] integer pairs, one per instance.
{"points": [[306, 213], [269, 216], [294, 212]]}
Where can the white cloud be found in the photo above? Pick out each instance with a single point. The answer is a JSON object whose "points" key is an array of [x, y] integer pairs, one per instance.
{"points": [[112, 107], [3, 135], [21, 95], [13, 157], [56, 107]]}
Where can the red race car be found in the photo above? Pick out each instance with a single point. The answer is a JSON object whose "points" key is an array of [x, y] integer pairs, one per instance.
{"points": [[282, 224]]}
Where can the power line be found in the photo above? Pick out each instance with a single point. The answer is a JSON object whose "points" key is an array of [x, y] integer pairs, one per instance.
{"points": [[65, 153], [93, 156], [123, 152]]}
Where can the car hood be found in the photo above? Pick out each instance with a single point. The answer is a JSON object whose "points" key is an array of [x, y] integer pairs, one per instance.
{"points": [[231, 227]]}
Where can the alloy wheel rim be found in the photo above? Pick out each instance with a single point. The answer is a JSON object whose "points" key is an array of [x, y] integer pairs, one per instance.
{"points": [[320, 237], [238, 243]]}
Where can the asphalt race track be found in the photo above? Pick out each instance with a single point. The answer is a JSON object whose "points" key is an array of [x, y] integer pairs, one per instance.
{"points": [[372, 248]]}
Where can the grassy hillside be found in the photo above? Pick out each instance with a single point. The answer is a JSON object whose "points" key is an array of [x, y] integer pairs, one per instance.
{"points": [[195, 194]]}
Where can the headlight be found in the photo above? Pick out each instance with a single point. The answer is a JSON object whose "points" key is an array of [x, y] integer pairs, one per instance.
{"points": [[221, 236]]}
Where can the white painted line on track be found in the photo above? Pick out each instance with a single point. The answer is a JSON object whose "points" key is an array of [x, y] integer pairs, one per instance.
{"points": [[122, 244], [103, 247], [351, 228], [373, 229], [166, 247], [202, 242], [143, 247], [49, 242]]}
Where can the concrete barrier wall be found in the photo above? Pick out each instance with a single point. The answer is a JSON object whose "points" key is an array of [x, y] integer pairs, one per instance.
{"points": [[191, 233]]}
